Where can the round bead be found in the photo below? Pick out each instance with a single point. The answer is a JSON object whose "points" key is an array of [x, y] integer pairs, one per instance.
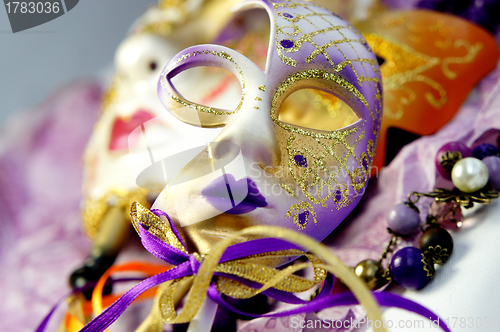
{"points": [[448, 155], [485, 150], [437, 243], [370, 271], [469, 175], [403, 220], [407, 268], [493, 165]]}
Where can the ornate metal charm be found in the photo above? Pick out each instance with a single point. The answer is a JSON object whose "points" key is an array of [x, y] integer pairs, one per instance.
{"points": [[428, 266], [449, 159], [437, 255], [467, 200]]}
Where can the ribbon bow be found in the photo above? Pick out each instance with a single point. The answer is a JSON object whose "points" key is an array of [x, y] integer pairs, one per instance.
{"points": [[239, 273]]}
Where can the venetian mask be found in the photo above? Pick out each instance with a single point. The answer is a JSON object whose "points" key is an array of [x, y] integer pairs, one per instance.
{"points": [[431, 61], [114, 155], [274, 164]]}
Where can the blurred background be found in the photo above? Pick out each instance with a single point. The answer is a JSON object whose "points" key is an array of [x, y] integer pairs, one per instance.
{"points": [[79, 44]]}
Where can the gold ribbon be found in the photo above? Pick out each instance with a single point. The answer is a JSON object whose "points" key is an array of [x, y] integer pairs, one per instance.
{"points": [[251, 268]]}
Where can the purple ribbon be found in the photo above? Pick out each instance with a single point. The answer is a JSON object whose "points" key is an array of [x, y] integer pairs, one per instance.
{"points": [[187, 265]]}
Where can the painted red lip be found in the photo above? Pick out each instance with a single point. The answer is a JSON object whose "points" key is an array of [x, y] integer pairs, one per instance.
{"points": [[123, 128]]}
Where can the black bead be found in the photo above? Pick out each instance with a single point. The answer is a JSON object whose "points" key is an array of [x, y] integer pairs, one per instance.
{"points": [[224, 321], [257, 305], [91, 272], [437, 244]]}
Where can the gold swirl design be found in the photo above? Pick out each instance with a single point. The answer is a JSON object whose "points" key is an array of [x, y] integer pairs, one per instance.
{"points": [[404, 65], [202, 108]]}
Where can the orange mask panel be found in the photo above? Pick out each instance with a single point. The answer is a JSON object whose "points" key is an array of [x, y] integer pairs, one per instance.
{"points": [[432, 61]]}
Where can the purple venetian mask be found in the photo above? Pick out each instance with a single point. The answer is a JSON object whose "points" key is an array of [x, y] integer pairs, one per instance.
{"points": [[264, 167]]}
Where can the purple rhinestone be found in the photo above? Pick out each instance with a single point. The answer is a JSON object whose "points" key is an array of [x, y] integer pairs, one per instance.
{"points": [[493, 164], [364, 162], [303, 217], [407, 268], [287, 43], [485, 150], [403, 220], [288, 15], [445, 169], [300, 160], [338, 195]]}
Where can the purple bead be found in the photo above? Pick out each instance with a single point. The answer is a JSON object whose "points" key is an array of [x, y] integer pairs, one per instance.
{"points": [[403, 220], [300, 160], [338, 195], [485, 150], [450, 148], [438, 5], [287, 43], [493, 164], [407, 268], [480, 16], [288, 15]]}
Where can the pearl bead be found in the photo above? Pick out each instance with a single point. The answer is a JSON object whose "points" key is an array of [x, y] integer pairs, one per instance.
{"points": [[407, 268], [403, 220], [469, 175]]}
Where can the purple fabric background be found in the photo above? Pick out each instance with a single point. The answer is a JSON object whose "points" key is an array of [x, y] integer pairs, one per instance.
{"points": [[41, 239]]}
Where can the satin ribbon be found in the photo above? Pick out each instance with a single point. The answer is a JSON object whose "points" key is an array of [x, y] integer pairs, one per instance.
{"points": [[164, 241], [231, 268]]}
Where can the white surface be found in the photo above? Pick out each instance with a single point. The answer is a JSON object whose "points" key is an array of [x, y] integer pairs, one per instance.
{"points": [[78, 44], [465, 290], [204, 319]]}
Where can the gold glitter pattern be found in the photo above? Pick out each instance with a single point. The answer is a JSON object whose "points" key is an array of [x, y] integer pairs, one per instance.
{"points": [[328, 176], [202, 108], [160, 229], [295, 35], [313, 74], [93, 211]]}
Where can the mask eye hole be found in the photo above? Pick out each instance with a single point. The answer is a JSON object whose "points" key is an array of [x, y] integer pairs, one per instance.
{"points": [[152, 65], [316, 109], [380, 60], [209, 86]]}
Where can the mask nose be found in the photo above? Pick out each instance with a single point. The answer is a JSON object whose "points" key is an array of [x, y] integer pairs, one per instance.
{"points": [[252, 130]]}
